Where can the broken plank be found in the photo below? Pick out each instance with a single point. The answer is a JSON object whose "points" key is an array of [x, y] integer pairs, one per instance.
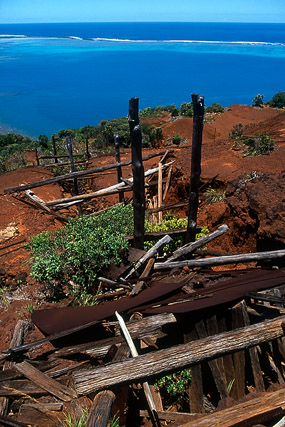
{"points": [[177, 357], [178, 417], [42, 380], [100, 410], [245, 413], [230, 259]]}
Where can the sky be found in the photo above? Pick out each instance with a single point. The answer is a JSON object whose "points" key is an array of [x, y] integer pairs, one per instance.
{"points": [[22, 11]]}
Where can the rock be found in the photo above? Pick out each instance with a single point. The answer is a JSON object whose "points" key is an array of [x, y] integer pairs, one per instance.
{"points": [[21, 277]]}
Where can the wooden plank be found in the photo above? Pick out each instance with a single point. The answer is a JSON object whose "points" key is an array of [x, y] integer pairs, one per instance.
{"points": [[216, 365], [223, 260], [41, 205], [138, 329], [167, 185], [177, 357], [139, 286], [239, 356], [195, 389], [159, 198], [191, 247], [243, 413], [99, 413], [45, 382], [150, 254], [255, 365], [177, 417], [198, 116], [77, 174], [39, 414]]}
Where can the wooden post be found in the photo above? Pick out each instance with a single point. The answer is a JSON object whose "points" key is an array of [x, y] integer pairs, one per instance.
{"points": [[87, 147], [54, 149], [198, 107], [159, 190], [73, 169], [118, 160], [138, 173], [37, 157]]}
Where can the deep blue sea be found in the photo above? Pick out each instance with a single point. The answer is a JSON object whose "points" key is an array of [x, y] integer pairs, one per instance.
{"points": [[72, 75]]}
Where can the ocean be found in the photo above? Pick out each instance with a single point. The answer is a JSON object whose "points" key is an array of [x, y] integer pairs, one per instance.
{"points": [[58, 76]]}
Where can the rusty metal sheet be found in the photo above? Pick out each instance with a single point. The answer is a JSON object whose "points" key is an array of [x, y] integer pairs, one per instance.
{"points": [[55, 320]]}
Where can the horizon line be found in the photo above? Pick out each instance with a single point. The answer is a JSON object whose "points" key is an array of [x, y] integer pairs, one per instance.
{"points": [[142, 22]]}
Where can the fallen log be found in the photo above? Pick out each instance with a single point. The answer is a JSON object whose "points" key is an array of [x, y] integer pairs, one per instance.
{"points": [[73, 175], [247, 413], [41, 205], [191, 247], [177, 357], [230, 259]]}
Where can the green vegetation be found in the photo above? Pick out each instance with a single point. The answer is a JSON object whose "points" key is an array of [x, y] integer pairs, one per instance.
{"points": [[11, 147], [176, 139], [69, 260], [258, 100], [261, 144], [215, 108], [214, 195], [278, 100], [237, 132], [170, 222], [174, 387], [75, 420]]}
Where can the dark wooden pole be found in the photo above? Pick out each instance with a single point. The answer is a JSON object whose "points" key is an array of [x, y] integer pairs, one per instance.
{"points": [[198, 116], [138, 173], [37, 157], [87, 147], [118, 160], [54, 149], [73, 169]]}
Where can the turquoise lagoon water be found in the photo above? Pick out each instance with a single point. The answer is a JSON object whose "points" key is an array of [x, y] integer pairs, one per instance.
{"points": [[55, 76]]}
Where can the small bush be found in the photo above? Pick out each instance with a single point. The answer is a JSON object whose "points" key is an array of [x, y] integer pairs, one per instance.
{"points": [[174, 387], [278, 100], [258, 100], [215, 108], [176, 139], [261, 144], [69, 260], [237, 132], [214, 195]]}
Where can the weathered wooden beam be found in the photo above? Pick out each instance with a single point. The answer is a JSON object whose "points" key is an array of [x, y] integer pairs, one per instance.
{"points": [[198, 116], [43, 381], [118, 160], [222, 260], [245, 413], [178, 357], [73, 175], [191, 247], [150, 254], [177, 417], [138, 173], [99, 413], [41, 205]]}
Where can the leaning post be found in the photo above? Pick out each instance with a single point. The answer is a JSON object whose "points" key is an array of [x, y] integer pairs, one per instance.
{"points": [[54, 149], [138, 173], [198, 117], [118, 160], [73, 169]]}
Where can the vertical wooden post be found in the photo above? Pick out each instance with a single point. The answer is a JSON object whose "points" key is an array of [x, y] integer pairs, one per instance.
{"points": [[138, 173], [37, 157], [87, 147], [54, 149], [73, 169], [159, 196], [118, 160], [198, 108]]}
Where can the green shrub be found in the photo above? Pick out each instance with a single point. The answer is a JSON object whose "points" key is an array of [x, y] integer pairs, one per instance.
{"points": [[278, 100], [176, 139], [258, 100], [237, 132], [186, 109], [215, 108], [70, 259], [174, 386], [170, 222], [215, 195], [261, 144]]}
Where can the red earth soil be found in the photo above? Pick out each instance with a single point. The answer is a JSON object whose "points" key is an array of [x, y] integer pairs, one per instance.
{"points": [[253, 214]]}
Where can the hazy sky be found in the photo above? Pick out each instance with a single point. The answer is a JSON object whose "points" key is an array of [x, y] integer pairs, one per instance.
{"points": [[13, 11]]}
